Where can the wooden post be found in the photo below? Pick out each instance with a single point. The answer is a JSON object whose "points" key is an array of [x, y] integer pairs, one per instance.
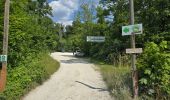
{"points": [[3, 72], [134, 69]]}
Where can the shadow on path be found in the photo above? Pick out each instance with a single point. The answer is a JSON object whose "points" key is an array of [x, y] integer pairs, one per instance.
{"points": [[99, 89]]}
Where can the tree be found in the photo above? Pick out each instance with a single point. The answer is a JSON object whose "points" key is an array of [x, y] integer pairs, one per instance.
{"points": [[154, 15]]}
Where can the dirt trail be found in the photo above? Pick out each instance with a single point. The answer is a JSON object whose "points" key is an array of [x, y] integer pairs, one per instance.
{"points": [[75, 80]]}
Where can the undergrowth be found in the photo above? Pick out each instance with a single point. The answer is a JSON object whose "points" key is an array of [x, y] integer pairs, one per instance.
{"points": [[118, 80], [21, 79]]}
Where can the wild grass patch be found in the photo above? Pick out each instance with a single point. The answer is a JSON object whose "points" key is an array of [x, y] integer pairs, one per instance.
{"points": [[118, 80]]}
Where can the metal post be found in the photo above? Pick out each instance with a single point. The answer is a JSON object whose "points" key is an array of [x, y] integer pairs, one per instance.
{"points": [[134, 69], [3, 72]]}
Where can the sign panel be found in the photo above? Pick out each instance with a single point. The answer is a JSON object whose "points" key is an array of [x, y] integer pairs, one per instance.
{"points": [[134, 50], [3, 58], [95, 38], [128, 30]]}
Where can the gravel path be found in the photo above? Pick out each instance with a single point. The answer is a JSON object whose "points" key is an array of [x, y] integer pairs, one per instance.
{"points": [[75, 80]]}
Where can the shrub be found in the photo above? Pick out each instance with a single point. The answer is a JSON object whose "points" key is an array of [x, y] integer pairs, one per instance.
{"points": [[23, 78], [154, 71]]}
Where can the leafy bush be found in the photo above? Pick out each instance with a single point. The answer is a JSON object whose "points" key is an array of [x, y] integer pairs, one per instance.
{"points": [[154, 71], [31, 34], [23, 78]]}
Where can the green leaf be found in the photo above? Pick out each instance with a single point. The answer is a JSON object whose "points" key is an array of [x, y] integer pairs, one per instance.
{"points": [[147, 71], [143, 81], [163, 44]]}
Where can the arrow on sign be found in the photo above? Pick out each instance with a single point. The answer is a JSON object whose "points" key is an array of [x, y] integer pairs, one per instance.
{"points": [[136, 28], [126, 30]]}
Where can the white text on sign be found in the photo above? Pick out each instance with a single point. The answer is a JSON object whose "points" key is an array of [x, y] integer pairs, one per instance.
{"points": [[95, 38]]}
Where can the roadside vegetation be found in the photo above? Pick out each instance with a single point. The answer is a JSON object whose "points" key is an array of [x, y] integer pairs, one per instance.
{"points": [[118, 81], [26, 77], [107, 20], [117, 78], [32, 36]]}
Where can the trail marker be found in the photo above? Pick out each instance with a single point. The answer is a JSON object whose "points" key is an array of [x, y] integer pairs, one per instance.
{"points": [[3, 58], [128, 30], [95, 38], [134, 50]]}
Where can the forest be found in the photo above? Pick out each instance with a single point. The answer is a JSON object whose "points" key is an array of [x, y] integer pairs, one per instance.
{"points": [[153, 64], [33, 35]]}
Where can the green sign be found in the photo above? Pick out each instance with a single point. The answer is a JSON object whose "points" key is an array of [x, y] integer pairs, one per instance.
{"points": [[128, 30], [3, 58]]}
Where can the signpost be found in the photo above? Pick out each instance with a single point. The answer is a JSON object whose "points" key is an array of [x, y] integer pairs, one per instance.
{"points": [[95, 38], [132, 30], [3, 72]]}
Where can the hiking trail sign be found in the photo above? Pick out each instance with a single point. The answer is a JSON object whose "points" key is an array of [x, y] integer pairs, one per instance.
{"points": [[128, 30], [95, 38], [134, 50], [3, 58]]}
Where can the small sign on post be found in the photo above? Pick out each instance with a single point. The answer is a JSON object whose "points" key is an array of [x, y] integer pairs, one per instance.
{"points": [[95, 38], [3, 58], [134, 50], [128, 30]]}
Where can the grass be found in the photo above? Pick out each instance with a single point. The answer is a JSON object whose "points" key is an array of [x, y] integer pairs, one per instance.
{"points": [[118, 80], [49, 64], [22, 79]]}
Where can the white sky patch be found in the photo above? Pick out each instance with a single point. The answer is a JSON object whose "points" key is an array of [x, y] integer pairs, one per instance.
{"points": [[62, 10], [65, 22], [71, 4]]}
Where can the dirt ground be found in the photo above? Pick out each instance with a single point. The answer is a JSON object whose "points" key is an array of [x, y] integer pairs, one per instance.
{"points": [[76, 79]]}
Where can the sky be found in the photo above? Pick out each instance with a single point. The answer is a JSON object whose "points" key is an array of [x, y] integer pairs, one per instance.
{"points": [[64, 10]]}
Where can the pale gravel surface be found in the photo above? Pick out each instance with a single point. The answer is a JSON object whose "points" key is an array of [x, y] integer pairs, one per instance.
{"points": [[75, 80]]}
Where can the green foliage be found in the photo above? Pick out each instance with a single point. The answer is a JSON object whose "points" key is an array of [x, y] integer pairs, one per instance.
{"points": [[114, 44], [153, 64], [23, 78], [31, 35], [49, 64], [154, 70]]}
